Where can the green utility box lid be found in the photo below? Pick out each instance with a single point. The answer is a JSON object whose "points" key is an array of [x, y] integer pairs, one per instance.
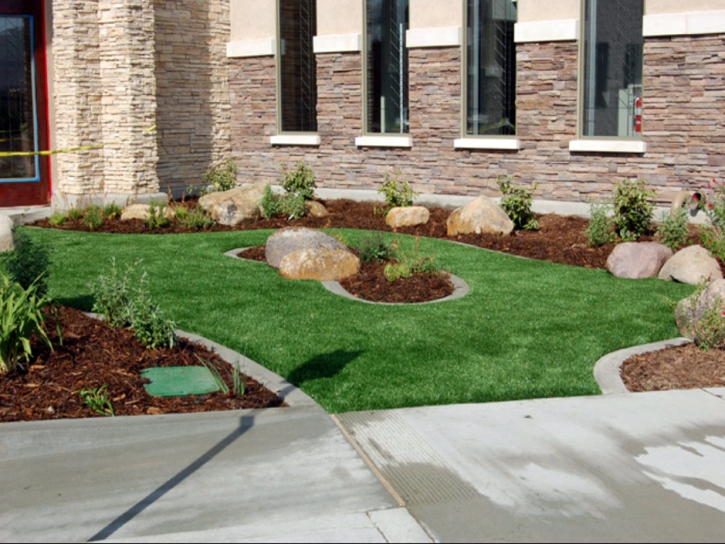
{"points": [[179, 381]]}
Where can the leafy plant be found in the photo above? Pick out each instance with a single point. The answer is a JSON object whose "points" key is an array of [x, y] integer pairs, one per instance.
{"points": [[238, 388], [713, 240], [409, 263], [517, 202], [715, 208], [112, 295], [75, 213], [158, 216], [196, 218], [57, 218], [28, 263], [709, 330], [632, 208], [269, 203], [21, 316], [299, 182], [222, 177], [293, 206], [599, 231], [374, 247], [92, 217], [111, 211], [97, 400], [397, 192], [672, 230]]}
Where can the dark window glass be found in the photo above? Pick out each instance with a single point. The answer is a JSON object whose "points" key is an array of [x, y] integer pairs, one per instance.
{"points": [[297, 66], [387, 66], [17, 102], [490, 67], [613, 46]]}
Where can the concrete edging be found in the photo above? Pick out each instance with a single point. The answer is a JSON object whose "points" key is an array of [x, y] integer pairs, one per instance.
{"points": [[606, 369]]}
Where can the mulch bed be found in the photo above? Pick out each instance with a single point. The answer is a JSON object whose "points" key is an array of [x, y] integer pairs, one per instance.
{"points": [[94, 354]]}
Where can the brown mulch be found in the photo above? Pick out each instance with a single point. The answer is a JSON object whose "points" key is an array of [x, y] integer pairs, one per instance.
{"points": [[560, 239], [94, 354]]}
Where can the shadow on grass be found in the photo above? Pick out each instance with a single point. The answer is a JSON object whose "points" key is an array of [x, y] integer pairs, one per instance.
{"points": [[325, 365], [84, 302]]}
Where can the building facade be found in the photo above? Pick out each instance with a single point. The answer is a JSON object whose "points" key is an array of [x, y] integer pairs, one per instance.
{"points": [[571, 95]]}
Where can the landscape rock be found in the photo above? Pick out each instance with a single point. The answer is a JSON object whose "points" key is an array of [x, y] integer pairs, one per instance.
{"points": [[141, 211], [291, 239], [319, 264], [637, 260], [408, 216], [480, 216], [691, 265], [315, 209], [689, 313], [235, 205], [7, 235]]}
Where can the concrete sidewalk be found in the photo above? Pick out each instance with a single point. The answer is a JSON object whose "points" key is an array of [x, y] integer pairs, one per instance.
{"points": [[633, 467]]}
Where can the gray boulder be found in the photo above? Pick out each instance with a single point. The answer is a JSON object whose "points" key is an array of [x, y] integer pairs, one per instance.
{"points": [[319, 264], [637, 260], [408, 216], [691, 265], [236, 205], [7, 235], [291, 239], [689, 313], [480, 216]]}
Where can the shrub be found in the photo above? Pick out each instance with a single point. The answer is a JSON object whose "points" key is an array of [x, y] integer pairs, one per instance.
{"points": [[112, 295], [74, 214], [196, 219], [28, 263], [299, 182], [293, 206], [375, 247], [158, 217], [409, 263], [111, 211], [92, 217], [713, 240], [222, 177], [269, 203], [397, 192], [709, 330], [517, 202], [632, 208], [21, 317], [715, 208], [57, 218], [672, 230], [599, 231]]}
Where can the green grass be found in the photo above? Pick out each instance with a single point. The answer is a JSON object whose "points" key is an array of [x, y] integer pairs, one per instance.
{"points": [[527, 329]]}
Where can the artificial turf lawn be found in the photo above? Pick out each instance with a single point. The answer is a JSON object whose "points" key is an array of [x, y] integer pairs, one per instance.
{"points": [[526, 329]]}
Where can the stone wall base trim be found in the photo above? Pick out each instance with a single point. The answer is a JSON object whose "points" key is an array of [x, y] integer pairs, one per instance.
{"points": [[64, 202]]}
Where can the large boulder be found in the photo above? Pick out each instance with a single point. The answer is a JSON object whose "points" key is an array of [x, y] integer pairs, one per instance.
{"points": [[319, 264], [7, 234], [408, 216], [141, 211], [291, 239], [689, 312], [235, 205], [480, 216], [691, 265], [637, 260]]}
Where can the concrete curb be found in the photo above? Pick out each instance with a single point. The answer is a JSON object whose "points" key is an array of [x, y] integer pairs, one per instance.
{"points": [[606, 369]]}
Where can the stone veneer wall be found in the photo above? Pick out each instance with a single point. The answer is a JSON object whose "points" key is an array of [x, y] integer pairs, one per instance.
{"points": [[684, 117]]}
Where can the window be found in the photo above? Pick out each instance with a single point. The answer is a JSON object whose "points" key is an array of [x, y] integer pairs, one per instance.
{"points": [[490, 67], [297, 66], [387, 66], [612, 67]]}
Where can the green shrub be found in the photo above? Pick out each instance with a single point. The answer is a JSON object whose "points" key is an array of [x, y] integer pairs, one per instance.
{"points": [[57, 219], [397, 192], [21, 317], [409, 263], [158, 217], [708, 331], [599, 231], [632, 208], [28, 263], [269, 203], [92, 217], [291, 205], [222, 177], [713, 240], [715, 208], [374, 247], [74, 214], [196, 218], [112, 295], [517, 202], [672, 230], [111, 211], [299, 182]]}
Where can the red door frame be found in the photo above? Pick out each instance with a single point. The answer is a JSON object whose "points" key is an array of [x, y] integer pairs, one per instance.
{"points": [[32, 193]]}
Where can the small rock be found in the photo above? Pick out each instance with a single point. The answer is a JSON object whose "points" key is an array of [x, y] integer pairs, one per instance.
{"points": [[319, 264], [408, 216], [236, 205], [141, 211], [291, 239], [637, 260], [7, 234], [153, 410], [480, 216], [315, 209], [691, 265]]}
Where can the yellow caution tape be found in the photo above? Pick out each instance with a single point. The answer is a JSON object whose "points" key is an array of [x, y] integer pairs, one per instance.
{"points": [[69, 150]]}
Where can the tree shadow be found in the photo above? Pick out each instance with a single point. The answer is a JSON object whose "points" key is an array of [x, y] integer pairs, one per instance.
{"points": [[325, 365], [83, 302]]}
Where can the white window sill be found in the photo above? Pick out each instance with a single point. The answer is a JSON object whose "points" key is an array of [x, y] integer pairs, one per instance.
{"points": [[607, 146], [384, 141], [505, 144], [295, 139]]}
